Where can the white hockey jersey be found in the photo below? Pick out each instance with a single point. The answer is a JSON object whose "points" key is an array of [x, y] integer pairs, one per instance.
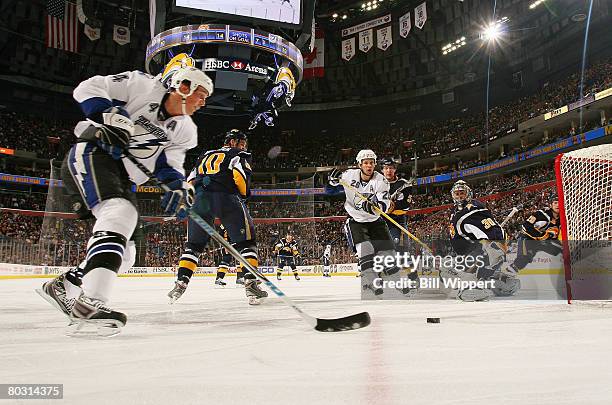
{"points": [[156, 144], [377, 185], [327, 252]]}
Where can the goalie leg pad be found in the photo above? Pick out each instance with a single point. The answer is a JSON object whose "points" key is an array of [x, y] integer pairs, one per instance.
{"points": [[507, 287]]}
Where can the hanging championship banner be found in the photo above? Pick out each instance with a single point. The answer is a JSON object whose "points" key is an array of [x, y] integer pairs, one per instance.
{"points": [[405, 25], [91, 33], [368, 24], [366, 40], [348, 48], [121, 35], [420, 15], [384, 38]]}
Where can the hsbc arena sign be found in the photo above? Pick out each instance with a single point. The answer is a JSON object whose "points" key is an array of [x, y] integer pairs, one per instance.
{"points": [[233, 65]]}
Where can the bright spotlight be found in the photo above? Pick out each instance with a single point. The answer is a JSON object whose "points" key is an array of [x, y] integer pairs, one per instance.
{"points": [[492, 32]]}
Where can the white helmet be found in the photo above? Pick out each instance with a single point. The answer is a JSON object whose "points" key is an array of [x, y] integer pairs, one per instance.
{"points": [[366, 154], [195, 76]]}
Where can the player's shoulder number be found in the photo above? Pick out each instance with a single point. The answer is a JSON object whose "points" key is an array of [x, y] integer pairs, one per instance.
{"points": [[211, 164]]}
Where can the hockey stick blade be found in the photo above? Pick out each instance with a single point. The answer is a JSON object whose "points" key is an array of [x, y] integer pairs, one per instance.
{"points": [[350, 322]]}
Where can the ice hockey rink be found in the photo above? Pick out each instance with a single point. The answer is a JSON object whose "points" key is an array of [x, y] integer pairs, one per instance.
{"points": [[212, 348]]}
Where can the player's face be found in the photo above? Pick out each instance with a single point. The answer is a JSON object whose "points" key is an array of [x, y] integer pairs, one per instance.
{"points": [[289, 238], [196, 101], [389, 172], [555, 207], [460, 195], [241, 144], [367, 166]]}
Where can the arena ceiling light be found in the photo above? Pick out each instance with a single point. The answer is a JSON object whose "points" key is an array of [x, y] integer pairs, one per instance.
{"points": [[370, 5], [535, 4], [453, 46], [494, 30]]}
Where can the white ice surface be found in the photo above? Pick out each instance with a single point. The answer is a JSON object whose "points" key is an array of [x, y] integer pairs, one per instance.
{"points": [[212, 348]]}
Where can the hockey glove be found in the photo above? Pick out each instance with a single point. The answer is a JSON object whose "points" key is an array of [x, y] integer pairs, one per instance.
{"points": [[334, 178], [371, 204], [114, 135], [552, 233], [178, 199]]}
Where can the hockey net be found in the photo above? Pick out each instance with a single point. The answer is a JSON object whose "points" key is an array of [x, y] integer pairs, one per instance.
{"points": [[584, 185]]}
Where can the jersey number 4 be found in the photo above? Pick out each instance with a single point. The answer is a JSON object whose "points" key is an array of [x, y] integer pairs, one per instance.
{"points": [[212, 163]]}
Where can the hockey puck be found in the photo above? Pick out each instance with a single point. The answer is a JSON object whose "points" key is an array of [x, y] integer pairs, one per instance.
{"points": [[433, 320]]}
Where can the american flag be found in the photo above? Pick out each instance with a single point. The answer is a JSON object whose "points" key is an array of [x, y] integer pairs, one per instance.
{"points": [[62, 26]]}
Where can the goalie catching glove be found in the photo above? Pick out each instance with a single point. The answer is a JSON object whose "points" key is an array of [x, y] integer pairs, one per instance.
{"points": [[178, 199], [115, 132]]}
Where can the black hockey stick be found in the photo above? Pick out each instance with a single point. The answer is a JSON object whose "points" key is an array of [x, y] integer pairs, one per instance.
{"points": [[356, 321], [384, 214]]}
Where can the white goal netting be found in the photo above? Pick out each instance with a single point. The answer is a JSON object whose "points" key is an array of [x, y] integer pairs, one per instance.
{"points": [[584, 184]]}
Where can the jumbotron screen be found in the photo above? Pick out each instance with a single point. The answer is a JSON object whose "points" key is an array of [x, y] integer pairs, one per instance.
{"points": [[276, 11]]}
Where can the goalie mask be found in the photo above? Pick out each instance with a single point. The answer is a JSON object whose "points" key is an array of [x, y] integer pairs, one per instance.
{"points": [[461, 193]]}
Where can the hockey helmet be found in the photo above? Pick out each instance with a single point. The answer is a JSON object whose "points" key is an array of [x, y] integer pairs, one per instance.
{"points": [[194, 76], [461, 186], [388, 162], [234, 134], [366, 154]]}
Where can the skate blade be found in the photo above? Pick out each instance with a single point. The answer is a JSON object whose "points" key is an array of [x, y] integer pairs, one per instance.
{"points": [[219, 287], [94, 328], [51, 301], [256, 301]]}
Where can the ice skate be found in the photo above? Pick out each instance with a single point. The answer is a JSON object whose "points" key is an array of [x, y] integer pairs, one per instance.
{"points": [[91, 311], [297, 277], [278, 276], [253, 292], [54, 292], [178, 291], [219, 283], [240, 282]]}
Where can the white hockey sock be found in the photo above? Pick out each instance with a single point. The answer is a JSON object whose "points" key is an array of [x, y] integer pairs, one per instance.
{"points": [[98, 283]]}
